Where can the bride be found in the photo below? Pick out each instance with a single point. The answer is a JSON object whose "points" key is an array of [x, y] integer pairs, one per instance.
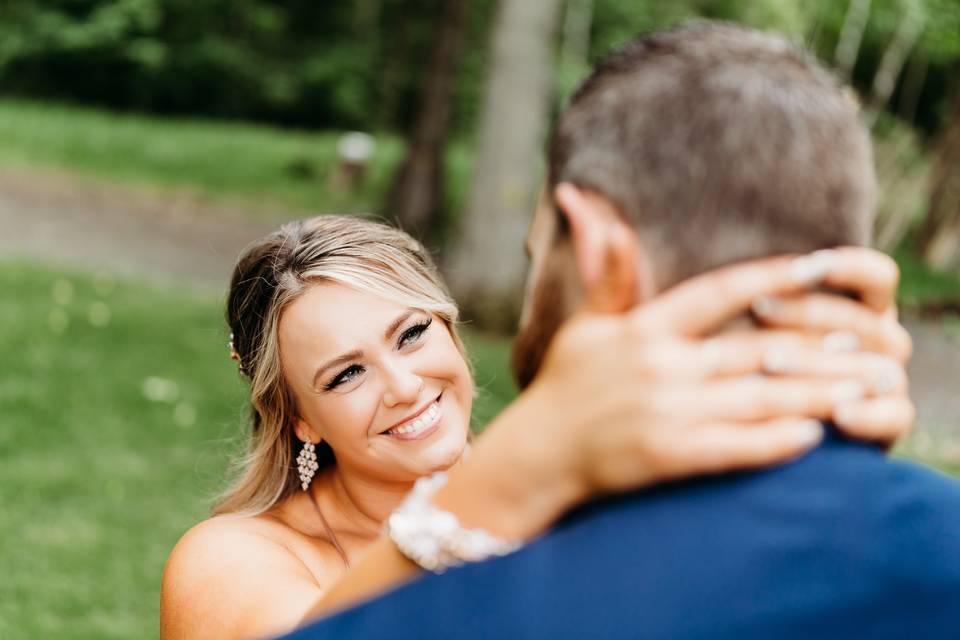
{"points": [[360, 385]]}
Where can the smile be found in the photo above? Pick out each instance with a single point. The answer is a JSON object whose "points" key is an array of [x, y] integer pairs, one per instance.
{"points": [[421, 425]]}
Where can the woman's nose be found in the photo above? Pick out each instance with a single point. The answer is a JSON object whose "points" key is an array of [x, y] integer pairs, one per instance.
{"points": [[402, 385]]}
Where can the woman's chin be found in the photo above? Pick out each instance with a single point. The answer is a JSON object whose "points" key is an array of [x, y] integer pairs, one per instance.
{"points": [[437, 453], [443, 454]]}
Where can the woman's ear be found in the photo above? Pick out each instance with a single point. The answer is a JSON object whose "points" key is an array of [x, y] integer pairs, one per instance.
{"points": [[604, 246], [305, 432]]}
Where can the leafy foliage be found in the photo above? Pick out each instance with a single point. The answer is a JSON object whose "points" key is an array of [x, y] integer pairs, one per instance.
{"points": [[359, 64]]}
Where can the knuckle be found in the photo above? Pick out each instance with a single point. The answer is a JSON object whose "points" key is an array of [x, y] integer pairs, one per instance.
{"points": [[642, 368], [659, 405], [638, 329], [653, 451], [765, 401], [905, 347], [766, 448], [888, 272], [728, 282]]}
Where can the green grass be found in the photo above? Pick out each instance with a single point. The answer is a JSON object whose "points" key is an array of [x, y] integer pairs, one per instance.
{"points": [[262, 167], [920, 286], [97, 481], [267, 165], [100, 473], [216, 158]]}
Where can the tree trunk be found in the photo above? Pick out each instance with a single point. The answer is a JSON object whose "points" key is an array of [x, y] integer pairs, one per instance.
{"points": [[851, 35], [939, 238], [396, 57], [901, 186], [365, 15], [416, 195], [893, 59], [577, 20], [487, 265], [912, 87], [574, 58]]}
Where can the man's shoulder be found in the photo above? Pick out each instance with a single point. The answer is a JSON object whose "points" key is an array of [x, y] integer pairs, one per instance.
{"points": [[839, 490], [844, 515], [841, 543], [820, 481]]}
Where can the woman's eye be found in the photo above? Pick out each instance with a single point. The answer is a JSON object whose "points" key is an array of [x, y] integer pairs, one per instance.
{"points": [[414, 333], [346, 375]]}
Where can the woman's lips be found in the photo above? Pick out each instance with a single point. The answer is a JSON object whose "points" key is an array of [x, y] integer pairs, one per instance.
{"points": [[421, 426]]}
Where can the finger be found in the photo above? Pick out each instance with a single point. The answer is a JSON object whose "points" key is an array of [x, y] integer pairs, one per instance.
{"points": [[827, 313], [871, 275], [734, 354], [756, 398], [883, 420], [722, 447], [703, 303], [706, 302], [879, 375]]}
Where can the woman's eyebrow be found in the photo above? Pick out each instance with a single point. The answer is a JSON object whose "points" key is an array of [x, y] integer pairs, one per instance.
{"points": [[396, 323], [353, 355]]}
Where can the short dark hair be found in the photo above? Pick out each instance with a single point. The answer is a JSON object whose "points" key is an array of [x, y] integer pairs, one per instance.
{"points": [[718, 143]]}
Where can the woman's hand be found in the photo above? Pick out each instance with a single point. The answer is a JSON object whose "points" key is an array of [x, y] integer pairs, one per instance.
{"points": [[625, 401]]}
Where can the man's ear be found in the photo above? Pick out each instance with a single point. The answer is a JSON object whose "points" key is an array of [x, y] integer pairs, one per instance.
{"points": [[604, 246]]}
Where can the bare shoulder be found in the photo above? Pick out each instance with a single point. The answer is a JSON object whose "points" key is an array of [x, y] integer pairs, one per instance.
{"points": [[235, 577]]}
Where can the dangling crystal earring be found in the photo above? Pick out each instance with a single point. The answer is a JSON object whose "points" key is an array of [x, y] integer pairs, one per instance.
{"points": [[307, 463]]}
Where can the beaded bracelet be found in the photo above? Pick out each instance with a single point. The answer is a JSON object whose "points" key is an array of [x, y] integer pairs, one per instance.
{"points": [[434, 539]]}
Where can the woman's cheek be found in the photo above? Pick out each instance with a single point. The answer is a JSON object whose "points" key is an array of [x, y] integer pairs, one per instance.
{"points": [[347, 418]]}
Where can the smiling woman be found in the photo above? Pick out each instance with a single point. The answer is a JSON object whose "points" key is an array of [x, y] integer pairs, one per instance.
{"points": [[396, 405], [359, 386], [361, 391]]}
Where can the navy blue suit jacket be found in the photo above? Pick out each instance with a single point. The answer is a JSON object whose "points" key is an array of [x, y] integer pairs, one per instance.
{"points": [[842, 543]]}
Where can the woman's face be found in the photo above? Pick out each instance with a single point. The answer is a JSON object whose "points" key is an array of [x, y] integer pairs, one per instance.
{"points": [[384, 385]]}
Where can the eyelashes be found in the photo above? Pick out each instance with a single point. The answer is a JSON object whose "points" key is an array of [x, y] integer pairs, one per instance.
{"points": [[414, 333], [346, 375], [411, 336]]}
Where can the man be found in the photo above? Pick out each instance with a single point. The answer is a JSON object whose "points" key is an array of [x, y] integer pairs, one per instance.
{"points": [[686, 150]]}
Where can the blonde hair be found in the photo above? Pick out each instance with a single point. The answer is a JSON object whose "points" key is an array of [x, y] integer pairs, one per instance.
{"points": [[273, 272]]}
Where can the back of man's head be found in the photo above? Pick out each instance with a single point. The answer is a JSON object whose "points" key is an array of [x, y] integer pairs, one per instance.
{"points": [[718, 143]]}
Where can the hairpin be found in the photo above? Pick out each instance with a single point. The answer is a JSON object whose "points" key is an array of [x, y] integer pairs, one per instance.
{"points": [[233, 353]]}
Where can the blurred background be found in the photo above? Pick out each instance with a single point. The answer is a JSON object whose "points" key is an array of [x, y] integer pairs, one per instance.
{"points": [[143, 143]]}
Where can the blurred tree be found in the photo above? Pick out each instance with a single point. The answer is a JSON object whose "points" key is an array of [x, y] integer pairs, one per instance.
{"points": [[851, 35], [894, 57], [574, 58], [416, 195], [486, 268], [939, 237]]}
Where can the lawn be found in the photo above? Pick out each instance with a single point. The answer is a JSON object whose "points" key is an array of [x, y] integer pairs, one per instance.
{"points": [[268, 166], [121, 410], [921, 287], [268, 169]]}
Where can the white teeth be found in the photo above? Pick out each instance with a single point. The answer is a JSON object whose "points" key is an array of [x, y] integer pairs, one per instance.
{"points": [[425, 419]]}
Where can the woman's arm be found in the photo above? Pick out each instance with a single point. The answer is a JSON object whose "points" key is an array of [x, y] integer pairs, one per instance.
{"points": [[631, 400]]}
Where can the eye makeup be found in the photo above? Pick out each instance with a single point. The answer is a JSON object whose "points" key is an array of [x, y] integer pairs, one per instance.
{"points": [[408, 337]]}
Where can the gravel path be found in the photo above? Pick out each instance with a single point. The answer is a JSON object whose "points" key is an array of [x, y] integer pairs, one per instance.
{"points": [[62, 219], [65, 220]]}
